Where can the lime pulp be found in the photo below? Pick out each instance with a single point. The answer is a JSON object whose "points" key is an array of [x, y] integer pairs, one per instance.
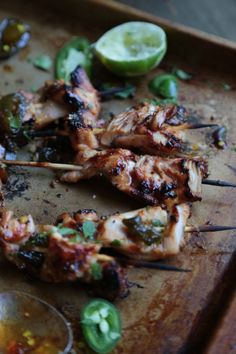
{"points": [[132, 48]]}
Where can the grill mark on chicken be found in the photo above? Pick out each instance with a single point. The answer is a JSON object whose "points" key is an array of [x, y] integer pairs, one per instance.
{"points": [[148, 128], [58, 259], [152, 179]]}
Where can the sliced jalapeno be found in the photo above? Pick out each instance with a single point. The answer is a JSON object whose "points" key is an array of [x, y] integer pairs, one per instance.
{"points": [[148, 233], [12, 110], [164, 85], [14, 35], [101, 325], [75, 52]]}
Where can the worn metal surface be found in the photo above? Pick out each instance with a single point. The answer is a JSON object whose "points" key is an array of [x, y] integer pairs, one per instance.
{"points": [[166, 315]]}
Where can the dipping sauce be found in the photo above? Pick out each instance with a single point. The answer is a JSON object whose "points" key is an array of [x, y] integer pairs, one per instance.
{"points": [[14, 339]]}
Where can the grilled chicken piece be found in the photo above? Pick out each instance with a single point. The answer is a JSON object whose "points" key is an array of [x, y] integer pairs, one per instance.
{"points": [[149, 234], [152, 179], [78, 102], [60, 254], [81, 99], [151, 129]]}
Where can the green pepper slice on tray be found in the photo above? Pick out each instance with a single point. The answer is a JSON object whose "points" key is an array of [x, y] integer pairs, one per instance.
{"points": [[75, 52], [164, 85], [14, 35], [12, 110], [101, 325]]}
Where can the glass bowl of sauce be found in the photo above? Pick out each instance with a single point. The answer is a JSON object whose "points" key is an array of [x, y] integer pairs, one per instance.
{"points": [[31, 325]]}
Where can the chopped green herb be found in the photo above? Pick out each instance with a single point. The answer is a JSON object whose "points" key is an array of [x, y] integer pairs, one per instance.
{"points": [[181, 74], [226, 87], [67, 231], [43, 62], [26, 135], [75, 239], [157, 223], [165, 86], [96, 271], [125, 92], [116, 243], [128, 92], [64, 231], [159, 101], [34, 88], [233, 149], [14, 122], [89, 228]]}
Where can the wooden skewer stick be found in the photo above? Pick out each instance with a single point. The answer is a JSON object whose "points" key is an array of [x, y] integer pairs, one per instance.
{"points": [[71, 167], [111, 91], [199, 126], [208, 228], [49, 165], [47, 133], [55, 133], [151, 265], [51, 132], [218, 183], [139, 264]]}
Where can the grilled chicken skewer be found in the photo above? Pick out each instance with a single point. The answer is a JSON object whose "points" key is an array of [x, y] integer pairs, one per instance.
{"points": [[148, 128], [67, 251], [53, 101], [152, 179], [151, 129], [54, 254]]}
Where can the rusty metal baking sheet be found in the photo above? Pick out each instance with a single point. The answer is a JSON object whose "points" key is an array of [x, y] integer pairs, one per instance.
{"points": [[166, 314]]}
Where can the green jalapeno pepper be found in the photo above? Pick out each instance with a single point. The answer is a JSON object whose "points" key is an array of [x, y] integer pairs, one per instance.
{"points": [[101, 325], [148, 233], [12, 110], [164, 85], [75, 52]]}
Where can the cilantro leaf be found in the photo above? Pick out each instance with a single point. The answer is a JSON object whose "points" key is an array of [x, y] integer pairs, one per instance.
{"points": [[43, 62], [226, 87], [127, 92], [89, 228], [181, 74], [159, 101], [116, 243], [124, 92], [75, 239], [14, 121], [157, 223], [96, 271]]}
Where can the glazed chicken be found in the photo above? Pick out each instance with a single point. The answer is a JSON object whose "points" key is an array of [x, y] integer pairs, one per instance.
{"points": [[151, 129], [78, 102], [61, 254], [64, 252], [150, 233], [152, 179]]}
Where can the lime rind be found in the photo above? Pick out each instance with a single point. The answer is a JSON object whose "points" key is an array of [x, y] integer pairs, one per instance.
{"points": [[132, 48]]}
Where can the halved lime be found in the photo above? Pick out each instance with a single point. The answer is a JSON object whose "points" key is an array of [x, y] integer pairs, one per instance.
{"points": [[132, 48]]}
